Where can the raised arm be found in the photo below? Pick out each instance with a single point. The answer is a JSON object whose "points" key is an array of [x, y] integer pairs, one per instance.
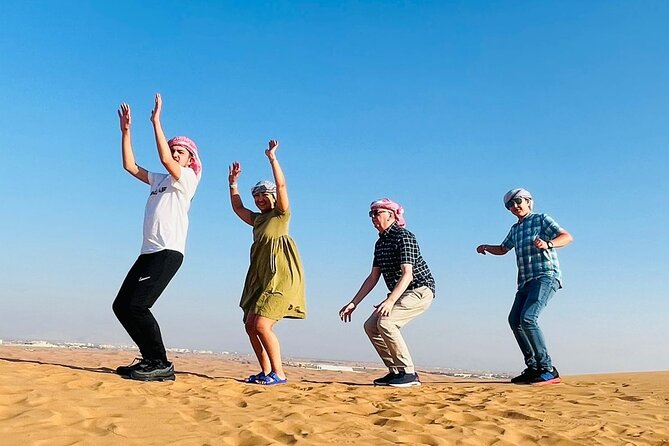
{"points": [[282, 203], [129, 164], [164, 152], [235, 199]]}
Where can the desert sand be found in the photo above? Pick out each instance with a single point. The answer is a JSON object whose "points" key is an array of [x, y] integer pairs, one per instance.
{"points": [[72, 397]]}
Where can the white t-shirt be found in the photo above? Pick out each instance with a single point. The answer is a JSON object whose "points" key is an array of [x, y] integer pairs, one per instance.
{"points": [[166, 213]]}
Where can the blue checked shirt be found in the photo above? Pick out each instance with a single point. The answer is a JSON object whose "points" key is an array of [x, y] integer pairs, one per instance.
{"points": [[532, 262], [395, 247]]}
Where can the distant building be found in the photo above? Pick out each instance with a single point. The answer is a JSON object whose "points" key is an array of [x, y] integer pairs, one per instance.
{"points": [[333, 368]]}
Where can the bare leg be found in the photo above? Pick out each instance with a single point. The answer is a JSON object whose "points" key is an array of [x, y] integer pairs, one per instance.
{"points": [[258, 349], [263, 326]]}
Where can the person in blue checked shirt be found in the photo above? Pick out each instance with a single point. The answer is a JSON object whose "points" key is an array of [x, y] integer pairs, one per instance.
{"points": [[535, 238]]}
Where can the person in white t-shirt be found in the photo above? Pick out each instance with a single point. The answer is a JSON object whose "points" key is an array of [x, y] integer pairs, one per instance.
{"points": [[165, 230]]}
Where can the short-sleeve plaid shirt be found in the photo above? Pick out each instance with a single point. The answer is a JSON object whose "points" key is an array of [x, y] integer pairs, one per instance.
{"points": [[532, 262], [397, 246]]}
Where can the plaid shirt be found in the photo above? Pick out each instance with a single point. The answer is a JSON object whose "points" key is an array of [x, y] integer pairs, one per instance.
{"points": [[532, 262], [397, 246]]}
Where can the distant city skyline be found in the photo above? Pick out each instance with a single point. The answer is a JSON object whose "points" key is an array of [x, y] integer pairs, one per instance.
{"points": [[296, 361]]}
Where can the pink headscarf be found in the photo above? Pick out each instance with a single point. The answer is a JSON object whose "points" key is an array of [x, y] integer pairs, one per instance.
{"points": [[396, 208], [189, 145]]}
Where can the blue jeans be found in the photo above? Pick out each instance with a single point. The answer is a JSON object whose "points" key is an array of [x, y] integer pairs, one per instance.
{"points": [[530, 300]]}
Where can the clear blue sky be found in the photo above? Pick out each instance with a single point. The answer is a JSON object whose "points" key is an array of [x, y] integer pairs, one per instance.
{"points": [[442, 106]]}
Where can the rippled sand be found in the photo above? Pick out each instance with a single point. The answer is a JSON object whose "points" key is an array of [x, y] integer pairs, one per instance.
{"points": [[71, 397]]}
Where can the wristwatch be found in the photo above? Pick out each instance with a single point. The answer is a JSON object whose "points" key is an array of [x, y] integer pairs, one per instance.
{"points": [[550, 244]]}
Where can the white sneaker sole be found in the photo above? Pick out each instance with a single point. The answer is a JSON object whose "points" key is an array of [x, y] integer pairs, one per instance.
{"points": [[411, 384]]}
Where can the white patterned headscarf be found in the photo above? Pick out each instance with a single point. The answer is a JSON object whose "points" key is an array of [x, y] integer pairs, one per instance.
{"points": [[264, 187], [517, 193]]}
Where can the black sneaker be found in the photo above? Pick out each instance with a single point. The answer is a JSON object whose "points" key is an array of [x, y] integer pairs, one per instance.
{"points": [[136, 363], [386, 379], [525, 377], [405, 380], [155, 370], [545, 376]]}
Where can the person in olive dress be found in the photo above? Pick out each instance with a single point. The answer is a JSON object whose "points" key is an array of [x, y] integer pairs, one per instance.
{"points": [[274, 286]]}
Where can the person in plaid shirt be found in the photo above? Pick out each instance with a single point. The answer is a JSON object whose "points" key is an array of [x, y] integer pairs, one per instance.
{"points": [[534, 237], [398, 259]]}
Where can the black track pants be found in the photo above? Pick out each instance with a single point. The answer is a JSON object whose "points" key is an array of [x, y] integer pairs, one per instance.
{"points": [[144, 283]]}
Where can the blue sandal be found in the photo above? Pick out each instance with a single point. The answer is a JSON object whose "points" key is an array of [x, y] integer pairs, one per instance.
{"points": [[253, 379], [271, 379]]}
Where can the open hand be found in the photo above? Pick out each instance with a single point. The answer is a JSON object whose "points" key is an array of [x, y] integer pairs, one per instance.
{"points": [[124, 117], [384, 308], [345, 312], [157, 108], [234, 172]]}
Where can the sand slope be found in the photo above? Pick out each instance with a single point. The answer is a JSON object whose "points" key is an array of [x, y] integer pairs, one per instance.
{"points": [[71, 397]]}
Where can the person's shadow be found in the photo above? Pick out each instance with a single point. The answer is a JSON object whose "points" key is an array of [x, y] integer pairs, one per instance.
{"points": [[104, 370], [108, 371]]}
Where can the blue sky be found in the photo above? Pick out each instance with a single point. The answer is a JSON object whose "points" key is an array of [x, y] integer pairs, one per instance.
{"points": [[442, 106]]}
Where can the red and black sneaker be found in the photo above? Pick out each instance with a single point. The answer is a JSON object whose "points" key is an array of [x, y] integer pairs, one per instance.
{"points": [[546, 377]]}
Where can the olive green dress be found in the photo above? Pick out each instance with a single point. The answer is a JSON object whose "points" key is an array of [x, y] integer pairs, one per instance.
{"points": [[274, 286]]}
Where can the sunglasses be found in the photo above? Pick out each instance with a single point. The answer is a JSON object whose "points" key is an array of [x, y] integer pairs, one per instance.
{"points": [[375, 212], [509, 204]]}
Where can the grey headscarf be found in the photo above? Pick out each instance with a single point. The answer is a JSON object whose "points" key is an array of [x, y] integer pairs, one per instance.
{"points": [[516, 193]]}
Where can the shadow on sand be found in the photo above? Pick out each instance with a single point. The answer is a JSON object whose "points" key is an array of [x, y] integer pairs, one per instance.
{"points": [[108, 371]]}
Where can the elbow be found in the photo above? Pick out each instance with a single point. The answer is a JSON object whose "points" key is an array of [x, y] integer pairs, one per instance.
{"points": [[567, 237], [166, 161]]}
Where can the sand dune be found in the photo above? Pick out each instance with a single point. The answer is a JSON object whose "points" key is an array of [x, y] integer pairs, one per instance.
{"points": [[71, 397]]}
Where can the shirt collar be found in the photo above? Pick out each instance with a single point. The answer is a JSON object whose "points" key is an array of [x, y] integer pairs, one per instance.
{"points": [[392, 228], [520, 222]]}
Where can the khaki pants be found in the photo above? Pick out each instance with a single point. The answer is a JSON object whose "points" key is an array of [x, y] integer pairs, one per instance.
{"points": [[384, 331]]}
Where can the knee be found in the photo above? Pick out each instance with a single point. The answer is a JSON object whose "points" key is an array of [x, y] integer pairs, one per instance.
{"points": [[371, 326], [136, 310], [263, 327], [250, 329], [514, 322], [528, 321], [119, 308]]}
